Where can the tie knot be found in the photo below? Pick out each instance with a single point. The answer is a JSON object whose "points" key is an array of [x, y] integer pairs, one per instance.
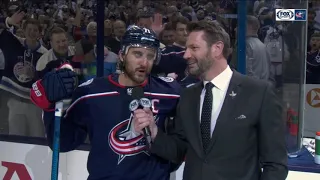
{"points": [[209, 86]]}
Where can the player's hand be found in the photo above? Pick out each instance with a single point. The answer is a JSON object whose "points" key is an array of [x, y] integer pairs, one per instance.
{"points": [[59, 85], [144, 118]]}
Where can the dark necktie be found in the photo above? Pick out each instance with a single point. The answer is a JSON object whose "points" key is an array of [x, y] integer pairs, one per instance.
{"points": [[206, 116]]}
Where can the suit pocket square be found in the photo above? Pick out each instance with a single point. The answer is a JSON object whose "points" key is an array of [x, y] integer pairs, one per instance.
{"points": [[241, 117]]}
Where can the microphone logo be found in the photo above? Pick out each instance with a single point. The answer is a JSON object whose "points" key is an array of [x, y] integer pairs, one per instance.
{"points": [[146, 103], [134, 105]]}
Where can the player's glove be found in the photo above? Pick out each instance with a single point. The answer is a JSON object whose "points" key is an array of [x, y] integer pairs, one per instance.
{"points": [[55, 86], [59, 84]]}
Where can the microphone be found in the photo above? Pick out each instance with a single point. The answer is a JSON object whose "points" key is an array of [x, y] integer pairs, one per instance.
{"points": [[141, 102]]}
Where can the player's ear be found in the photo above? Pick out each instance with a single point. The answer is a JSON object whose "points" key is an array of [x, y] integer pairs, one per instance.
{"points": [[121, 56]]}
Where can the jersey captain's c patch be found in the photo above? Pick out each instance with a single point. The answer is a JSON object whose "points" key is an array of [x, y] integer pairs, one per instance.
{"points": [[166, 79]]}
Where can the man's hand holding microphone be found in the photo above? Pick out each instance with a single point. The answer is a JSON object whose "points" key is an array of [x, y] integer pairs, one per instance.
{"points": [[143, 118]]}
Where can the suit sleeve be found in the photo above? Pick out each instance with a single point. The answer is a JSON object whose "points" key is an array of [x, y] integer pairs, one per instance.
{"points": [[172, 146], [73, 130], [272, 146]]}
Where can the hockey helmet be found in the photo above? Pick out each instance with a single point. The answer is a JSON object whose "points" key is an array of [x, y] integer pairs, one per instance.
{"points": [[136, 36]]}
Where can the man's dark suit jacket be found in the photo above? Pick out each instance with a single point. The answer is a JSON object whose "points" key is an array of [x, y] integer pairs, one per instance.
{"points": [[249, 135]]}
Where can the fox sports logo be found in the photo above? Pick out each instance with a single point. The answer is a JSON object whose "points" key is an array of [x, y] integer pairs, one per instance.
{"points": [[284, 14]]}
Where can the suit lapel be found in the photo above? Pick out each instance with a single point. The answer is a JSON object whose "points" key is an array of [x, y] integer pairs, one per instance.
{"points": [[195, 132], [228, 106]]}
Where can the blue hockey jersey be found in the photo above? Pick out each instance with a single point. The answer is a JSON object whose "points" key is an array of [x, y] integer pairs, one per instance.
{"points": [[19, 71], [100, 109], [172, 61]]}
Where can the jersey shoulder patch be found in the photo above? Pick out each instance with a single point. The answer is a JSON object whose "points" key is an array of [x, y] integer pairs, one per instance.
{"points": [[86, 83], [166, 79]]}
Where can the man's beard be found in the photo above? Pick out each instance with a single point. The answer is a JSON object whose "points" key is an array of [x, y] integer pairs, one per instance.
{"points": [[204, 65], [131, 74]]}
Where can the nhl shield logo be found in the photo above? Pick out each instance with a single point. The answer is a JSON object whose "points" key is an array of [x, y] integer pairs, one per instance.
{"points": [[28, 53], [129, 91]]}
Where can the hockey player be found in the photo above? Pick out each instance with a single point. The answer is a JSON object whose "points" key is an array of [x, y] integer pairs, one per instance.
{"points": [[100, 109], [172, 56], [172, 60]]}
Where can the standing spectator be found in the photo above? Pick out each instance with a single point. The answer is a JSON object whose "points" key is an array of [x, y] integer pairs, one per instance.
{"points": [[21, 56]]}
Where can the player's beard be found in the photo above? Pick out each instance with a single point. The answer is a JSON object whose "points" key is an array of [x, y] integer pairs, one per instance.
{"points": [[133, 73], [200, 66]]}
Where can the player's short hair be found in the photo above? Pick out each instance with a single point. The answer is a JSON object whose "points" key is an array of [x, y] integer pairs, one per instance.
{"points": [[213, 32]]}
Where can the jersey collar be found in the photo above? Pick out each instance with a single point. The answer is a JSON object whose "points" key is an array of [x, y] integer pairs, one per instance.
{"points": [[114, 79]]}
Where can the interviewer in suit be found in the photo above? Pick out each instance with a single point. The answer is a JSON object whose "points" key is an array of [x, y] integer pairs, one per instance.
{"points": [[229, 126]]}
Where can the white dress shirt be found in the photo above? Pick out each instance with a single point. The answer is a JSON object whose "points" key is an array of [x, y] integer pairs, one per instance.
{"points": [[221, 84]]}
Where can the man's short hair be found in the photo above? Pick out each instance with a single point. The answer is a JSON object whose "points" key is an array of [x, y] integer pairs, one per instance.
{"points": [[253, 22], [179, 19], [143, 15], [33, 22], [316, 34], [168, 27], [92, 29], [56, 30], [213, 32]]}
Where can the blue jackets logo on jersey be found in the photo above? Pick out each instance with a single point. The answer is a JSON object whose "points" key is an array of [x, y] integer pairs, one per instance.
{"points": [[24, 71], [122, 143]]}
